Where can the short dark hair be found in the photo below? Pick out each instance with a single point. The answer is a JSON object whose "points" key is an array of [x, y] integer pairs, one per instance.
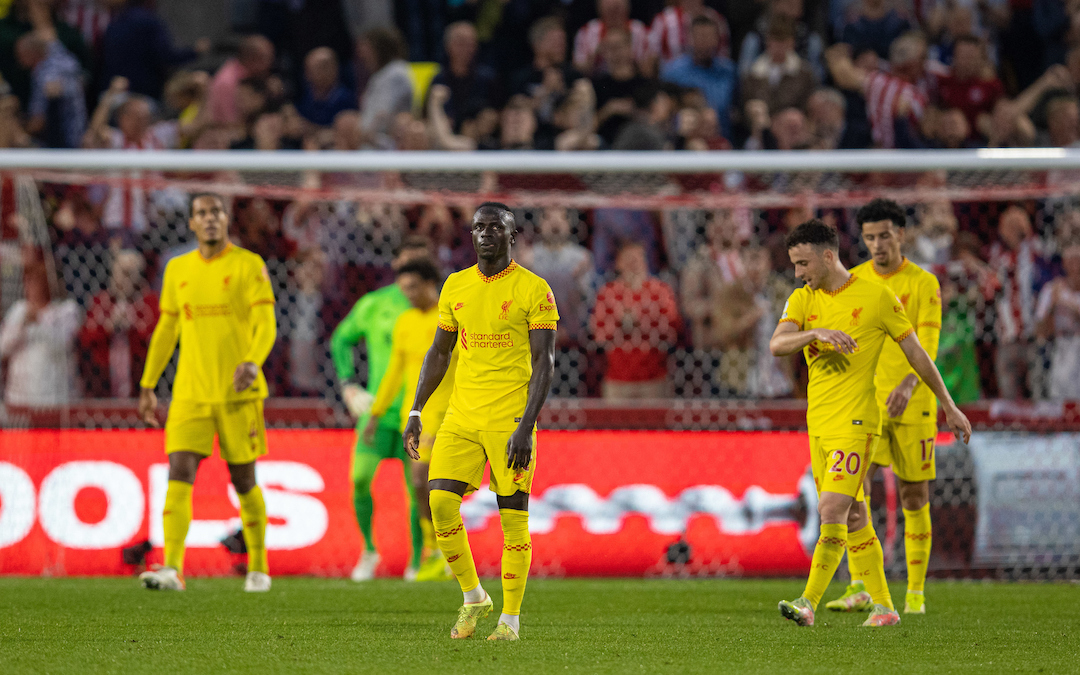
{"points": [[424, 268], [498, 206], [413, 242], [815, 232], [196, 195], [387, 43], [969, 39], [881, 209]]}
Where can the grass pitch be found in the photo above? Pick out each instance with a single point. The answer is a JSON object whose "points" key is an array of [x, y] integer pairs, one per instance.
{"points": [[601, 626]]}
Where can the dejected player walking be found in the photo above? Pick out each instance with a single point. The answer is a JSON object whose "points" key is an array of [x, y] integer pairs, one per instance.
{"points": [[501, 318], [841, 322], [218, 303], [908, 407]]}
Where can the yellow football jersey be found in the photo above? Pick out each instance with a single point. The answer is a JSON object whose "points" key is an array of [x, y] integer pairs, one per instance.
{"points": [[920, 294], [841, 391], [413, 334], [213, 300], [492, 317]]}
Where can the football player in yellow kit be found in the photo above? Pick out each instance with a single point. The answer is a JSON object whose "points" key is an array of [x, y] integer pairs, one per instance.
{"points": [[908, 407], [412, 335], [841, 322], [218, 303], [501, 318]]}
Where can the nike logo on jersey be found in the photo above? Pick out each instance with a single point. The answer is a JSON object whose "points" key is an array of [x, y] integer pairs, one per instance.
{"points": [[459, 306]]}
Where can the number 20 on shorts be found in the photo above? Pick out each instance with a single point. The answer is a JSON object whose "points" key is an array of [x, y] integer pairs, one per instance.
{"points": [[846, 465]]}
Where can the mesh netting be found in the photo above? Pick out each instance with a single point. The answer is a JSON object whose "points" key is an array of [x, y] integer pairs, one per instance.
{"points": [[689, 352]]}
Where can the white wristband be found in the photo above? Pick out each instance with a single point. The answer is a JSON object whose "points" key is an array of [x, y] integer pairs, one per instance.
{"points": [[414, 413]]}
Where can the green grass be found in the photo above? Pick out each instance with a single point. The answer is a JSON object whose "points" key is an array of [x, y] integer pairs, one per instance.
{"points": [[617, 626]]}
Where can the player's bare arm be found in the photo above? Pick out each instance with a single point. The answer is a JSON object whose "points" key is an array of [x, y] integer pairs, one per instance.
{"points": [[928, 372], [431, 375], [787, 339], [899, 397], [519, 447]]}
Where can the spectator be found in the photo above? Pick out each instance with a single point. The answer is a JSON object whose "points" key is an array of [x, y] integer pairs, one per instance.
{"points": [[706, 70], [324, 96], [517, 126], [1016, 258], [829, 125], [786, 130], [473, 86], [906, 100], [615, 88], [116, 335], [636, 322], [255, 59], [57, 105], [270, 131], [137, 46], [185, 95], [589, 55], [779, 77], [89, 17], [574, 120], [1062, 121], [932, 241], [37, 339], [25, 16], [971, 86], [1058, 317], [875, 26], [126, 207], [714, 264], [568, 268], [549, 78], [389, 90], [669, 35], [12, 133], [808, 43], [308, 362], [746, 313]]}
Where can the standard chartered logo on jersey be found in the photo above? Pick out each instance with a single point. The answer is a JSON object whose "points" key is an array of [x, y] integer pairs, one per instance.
{"points": [[488, 340]]}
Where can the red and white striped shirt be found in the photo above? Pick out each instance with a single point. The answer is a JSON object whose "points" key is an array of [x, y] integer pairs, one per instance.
{"points": [[126, 207], [588, 39], [669, 35], [884, 94], [89, 16]]}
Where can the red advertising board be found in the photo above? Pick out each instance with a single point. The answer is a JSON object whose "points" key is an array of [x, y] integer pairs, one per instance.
{"points": [[604, 503]]}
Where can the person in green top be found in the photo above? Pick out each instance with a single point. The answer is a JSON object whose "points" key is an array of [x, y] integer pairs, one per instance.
{"points": [[372, 320]]}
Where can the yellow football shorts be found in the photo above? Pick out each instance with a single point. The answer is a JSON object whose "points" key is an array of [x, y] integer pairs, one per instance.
{"points": [[460, 454], [239, 426], [839, 463], [431, 420], [909, 449]]}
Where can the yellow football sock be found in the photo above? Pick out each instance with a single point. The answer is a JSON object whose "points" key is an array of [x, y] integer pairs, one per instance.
{"points": [[867, 562], [176, 518], [429, 535], [253, 518], [852, 572], [917, 541], [827, 553], [516, 558], [452, 538]]}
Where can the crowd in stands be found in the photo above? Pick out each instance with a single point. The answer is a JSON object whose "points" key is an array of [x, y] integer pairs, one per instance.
{"points": [[675, 308]]}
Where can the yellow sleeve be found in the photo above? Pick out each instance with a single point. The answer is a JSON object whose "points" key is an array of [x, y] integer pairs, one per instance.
{"points": [[166, 333], [543, 313], [795, 308], [446, 314], [257, 287], [893, 316], [390, 384], [928, 322], [264, 332]]}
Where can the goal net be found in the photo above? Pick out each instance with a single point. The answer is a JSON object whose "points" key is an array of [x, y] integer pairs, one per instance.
{"points": [[86, 236]]}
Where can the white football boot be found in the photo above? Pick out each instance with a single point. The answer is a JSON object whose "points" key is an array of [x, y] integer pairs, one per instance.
{"points": [[365, 568], [162, 579], [257, 582]]}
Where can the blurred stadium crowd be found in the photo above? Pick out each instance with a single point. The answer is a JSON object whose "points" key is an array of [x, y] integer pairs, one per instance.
{"points": [[676, 302]]}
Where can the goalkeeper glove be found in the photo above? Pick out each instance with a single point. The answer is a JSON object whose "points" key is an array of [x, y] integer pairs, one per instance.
{"points": [[357, 399]]}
